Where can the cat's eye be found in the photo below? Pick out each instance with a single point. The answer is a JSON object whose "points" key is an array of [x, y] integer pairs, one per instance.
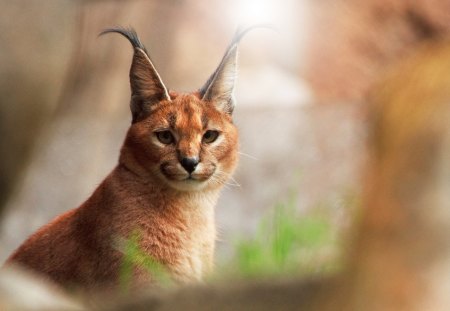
{"points": [[210, 136], [165, 137]]}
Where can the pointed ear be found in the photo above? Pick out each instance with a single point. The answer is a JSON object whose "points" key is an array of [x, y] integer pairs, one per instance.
{"points": [[220, 86], [147, 87]]}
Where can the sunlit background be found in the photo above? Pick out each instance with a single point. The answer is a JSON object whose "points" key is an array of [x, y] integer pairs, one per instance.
{"points": [[64, 97]]}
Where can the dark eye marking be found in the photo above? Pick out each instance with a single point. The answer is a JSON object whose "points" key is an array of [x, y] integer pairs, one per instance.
{"points": [[204, 121], [172, 119]]}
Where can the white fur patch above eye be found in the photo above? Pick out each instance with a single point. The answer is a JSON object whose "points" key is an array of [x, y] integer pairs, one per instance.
{"points": [[218, 141], [156, 141]]}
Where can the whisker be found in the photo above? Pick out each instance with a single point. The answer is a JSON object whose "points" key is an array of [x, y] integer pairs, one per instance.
{"points": [[216, 180], [226, 186], [235, 183], [220, 178], [248, 155]]}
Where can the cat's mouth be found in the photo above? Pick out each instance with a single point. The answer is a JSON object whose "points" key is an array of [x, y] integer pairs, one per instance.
{"points": [[174, 173]]}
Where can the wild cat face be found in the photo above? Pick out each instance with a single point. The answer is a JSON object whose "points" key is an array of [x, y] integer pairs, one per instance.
{"points": [[186, 141]]}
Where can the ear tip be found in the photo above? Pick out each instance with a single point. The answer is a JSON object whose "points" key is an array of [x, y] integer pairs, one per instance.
{"points": [[241, 31], [118, 29]]}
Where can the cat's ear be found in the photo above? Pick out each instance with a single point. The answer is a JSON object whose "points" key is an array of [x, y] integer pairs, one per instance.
{"points": [[220, 86], [219, 89], [147, 87]]}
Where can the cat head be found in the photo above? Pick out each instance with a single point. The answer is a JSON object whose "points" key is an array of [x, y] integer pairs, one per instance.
{"points": [[187, 141]]}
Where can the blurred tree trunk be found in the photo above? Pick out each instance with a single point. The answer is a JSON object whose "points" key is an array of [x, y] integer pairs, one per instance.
{"points": [[34, 55], [402, 259]]}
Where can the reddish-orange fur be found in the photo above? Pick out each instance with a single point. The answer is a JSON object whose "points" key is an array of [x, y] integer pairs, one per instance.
{"points": [[77, 248], [147, 192]]}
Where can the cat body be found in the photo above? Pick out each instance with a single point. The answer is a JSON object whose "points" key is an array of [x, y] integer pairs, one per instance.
{"points": [[178, 153], [79, 247]]}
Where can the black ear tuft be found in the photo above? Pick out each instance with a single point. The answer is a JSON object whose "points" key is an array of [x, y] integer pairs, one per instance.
{"points": [[128, 33]]}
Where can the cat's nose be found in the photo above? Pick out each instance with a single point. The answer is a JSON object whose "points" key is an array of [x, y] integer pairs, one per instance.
{"points": [[189, 164]]}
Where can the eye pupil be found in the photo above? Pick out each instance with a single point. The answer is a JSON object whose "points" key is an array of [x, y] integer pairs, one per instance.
{"points": [[210, 136], [165, 137]]}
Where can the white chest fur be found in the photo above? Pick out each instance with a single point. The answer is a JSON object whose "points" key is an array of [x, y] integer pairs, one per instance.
{"points": [[199, 241]]}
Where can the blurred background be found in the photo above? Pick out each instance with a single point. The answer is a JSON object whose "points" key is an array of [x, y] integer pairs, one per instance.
{"points": [[64, 96]]}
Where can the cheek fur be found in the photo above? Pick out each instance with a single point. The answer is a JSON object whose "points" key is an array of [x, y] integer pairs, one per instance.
{"points": [[147, 153], [225, 153]]}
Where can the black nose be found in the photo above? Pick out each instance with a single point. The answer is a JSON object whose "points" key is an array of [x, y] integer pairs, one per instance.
{"points": [[189, 164]]}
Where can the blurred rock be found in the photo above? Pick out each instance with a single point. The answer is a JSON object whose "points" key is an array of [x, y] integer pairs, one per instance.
{"points": [[22, 291], [264, 295]]}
